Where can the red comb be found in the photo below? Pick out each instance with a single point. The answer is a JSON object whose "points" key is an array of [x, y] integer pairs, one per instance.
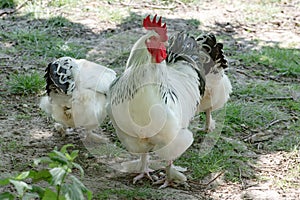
{"points": [[161, 30]]}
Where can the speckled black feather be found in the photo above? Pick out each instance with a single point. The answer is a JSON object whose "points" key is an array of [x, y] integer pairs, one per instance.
{"points": [[54, 80]]}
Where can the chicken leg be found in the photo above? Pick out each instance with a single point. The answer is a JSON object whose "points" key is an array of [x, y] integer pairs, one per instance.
{"points": [[210, 124], [145, 170], [172, 176]]}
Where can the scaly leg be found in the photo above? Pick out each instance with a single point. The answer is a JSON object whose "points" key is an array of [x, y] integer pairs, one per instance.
{"points": [[210, 123], [172, 176], [145, 170]]}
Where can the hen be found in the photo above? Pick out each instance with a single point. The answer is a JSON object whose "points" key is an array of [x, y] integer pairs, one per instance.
{"points": [[218, 86], [153, 101], [76, 93]]}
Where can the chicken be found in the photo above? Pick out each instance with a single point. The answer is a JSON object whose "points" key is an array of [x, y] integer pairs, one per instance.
{"points": [[152, 102], [76, 94], [218, 86]]}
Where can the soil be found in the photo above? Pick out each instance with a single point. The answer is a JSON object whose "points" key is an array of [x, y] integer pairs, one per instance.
{"points": [[34, 136]]}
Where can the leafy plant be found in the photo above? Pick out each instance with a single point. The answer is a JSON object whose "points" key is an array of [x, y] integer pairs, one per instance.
{"points": [[7, 4], [62, 184], [25, 83]]}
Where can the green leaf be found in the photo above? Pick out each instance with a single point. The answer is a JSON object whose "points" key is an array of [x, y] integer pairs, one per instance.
{"points": [[64, 148], [4, 181], [68, 157], [40, 175], [89, 194], [77, 166], [37, 161], [49, 195], [81, 186], [30, 196], [72, 192], [74, 154], [20, 186], [59, 157], [58, 175], [77, 182], [22, 176], [39, 190], [7, 196]]}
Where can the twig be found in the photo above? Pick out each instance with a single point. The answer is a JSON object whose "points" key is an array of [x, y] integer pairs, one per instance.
{"points": [[241, 72], [275, 122], [240, 176], [207, 184], [147, 6], [279, 98], [14, 10]]}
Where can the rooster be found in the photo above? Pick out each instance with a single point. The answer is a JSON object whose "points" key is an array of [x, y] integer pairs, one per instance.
{"points": [[76, 94], [218, 86], [152, 102]]}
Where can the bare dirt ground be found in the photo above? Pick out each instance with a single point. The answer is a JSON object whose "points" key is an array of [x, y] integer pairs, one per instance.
{"points": [[34, 136]]}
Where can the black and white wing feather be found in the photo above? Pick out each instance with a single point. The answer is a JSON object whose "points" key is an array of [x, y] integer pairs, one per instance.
{"points": [[183, 47], [60, 76]]}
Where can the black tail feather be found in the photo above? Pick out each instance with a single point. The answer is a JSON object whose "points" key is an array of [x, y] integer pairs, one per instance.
{"points": [[214, 49]]}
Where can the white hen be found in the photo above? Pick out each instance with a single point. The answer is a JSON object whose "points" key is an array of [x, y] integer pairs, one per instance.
{"points": [[218, 86], [152, 102], [76, 93]]}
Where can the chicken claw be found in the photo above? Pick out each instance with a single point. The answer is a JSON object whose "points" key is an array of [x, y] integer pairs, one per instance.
{"points": [[173, 175], [146, 173]]}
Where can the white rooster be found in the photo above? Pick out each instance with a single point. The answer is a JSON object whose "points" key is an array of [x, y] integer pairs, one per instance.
{"points": [[152, 102], [218, 86], [76, 93]]}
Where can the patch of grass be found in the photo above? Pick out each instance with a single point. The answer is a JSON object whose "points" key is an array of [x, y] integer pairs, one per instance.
{"points": [[25, 83], [227, 155], [11, 146], [59, 21], [263, 89], [288, 142], [38, 43], [23, 117], [278, 60], [291, 105], [194, 22], [251, 114], [135, 193]]}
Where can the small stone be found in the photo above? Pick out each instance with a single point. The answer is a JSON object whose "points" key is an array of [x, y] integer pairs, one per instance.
{"points": [[16, 132], [261, 195]]}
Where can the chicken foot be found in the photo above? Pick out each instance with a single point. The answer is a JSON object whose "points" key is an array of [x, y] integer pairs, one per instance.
{"points": [[145, 170], [172, 176]]}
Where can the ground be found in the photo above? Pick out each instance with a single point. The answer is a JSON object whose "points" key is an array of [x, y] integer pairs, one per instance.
{"points": [[257, 152]]}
